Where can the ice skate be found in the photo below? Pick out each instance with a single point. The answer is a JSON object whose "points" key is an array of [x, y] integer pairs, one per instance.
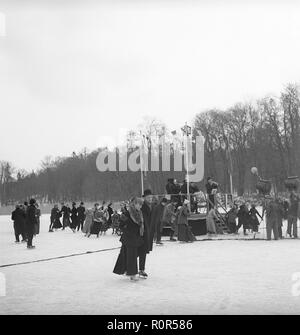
{"points": [[143, 274]]}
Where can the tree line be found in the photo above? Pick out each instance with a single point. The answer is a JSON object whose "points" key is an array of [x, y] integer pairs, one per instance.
{"points": [[264, 133]]}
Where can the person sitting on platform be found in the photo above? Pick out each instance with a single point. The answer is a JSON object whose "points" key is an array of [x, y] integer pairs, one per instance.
{"points": [[172, 187]]}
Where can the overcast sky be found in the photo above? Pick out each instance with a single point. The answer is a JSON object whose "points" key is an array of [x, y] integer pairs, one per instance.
{"points": [[74, 71]]}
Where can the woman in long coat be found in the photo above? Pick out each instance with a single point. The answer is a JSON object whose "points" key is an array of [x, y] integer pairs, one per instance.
{"points": [[131, 239], [88, 222], [184, 232], [243, 218]]}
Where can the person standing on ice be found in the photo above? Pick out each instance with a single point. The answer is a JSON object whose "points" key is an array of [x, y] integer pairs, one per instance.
{"points": [[271, 210], [55, 219], [156, 222], [169, 217], [74, 217], [80, 216], [145, 248], [31, 221], [243, 218], [131, 239], [184, 231], [254, 223], [18, 217], [38, 220], [211, 221], [231, 219], [293, 215]]}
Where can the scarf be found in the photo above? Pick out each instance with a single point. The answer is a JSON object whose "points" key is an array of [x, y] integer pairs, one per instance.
{"points": [[137, 217]]}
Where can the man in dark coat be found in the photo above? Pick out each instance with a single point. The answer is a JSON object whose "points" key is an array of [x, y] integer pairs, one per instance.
{"points": [[31, 221], [74, 217], [172, 187], [18, 216], [146, 246], [80, 216], [156, 222]]}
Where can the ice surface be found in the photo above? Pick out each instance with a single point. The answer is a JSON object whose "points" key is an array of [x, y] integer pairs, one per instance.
{"points": [[205, 277]]}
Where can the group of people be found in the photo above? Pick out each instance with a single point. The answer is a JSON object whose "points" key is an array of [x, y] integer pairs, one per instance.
{"points": [[89, 221], [275, 209], [142, 223], [26, 218]]}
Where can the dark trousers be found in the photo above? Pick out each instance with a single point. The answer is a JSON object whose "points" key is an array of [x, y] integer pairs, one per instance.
{"points": [[142, 261], [158, 234], [80, 223], [272, 225], [292, 223], [30, 233]]}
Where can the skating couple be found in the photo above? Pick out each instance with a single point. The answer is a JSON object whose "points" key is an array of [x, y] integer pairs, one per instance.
{"points": [[136, 244]]}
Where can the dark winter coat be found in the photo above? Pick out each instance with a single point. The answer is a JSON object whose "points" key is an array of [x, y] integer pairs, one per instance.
{"points": [[81, 213], [18, 216], [172, 188], [156, 222], [131, 232], [253, 216], [110, 213], [66, 211], [31, 219], [147, 211], [243, 217], [55, 218], [74, 217]]}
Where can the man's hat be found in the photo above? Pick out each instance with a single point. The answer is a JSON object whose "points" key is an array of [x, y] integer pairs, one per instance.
{"points": [[32, 201], [147, 192]]}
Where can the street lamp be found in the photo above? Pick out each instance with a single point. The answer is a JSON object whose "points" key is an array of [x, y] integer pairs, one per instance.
{"points": [[187, 130]]}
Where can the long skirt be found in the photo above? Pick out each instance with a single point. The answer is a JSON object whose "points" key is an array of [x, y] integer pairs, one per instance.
{"points": [[127, 261], [57, 224], [66, 222], [211, 226], [95, 228], [185, 233], [87, 226]]}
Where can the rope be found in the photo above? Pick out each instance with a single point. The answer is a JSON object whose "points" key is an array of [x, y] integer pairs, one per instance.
{"points": [[58, 257]]}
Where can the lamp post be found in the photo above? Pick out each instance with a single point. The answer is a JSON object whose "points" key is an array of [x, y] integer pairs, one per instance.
{"points": [[187, 130]]}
